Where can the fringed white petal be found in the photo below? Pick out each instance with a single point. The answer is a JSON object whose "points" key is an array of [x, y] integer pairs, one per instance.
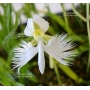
{"points": [[23, 54], [41, 59], [59, 48], [44, 25], [29, 30]]}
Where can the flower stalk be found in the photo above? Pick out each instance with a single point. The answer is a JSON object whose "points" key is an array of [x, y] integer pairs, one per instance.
{"points": [[57, 73], [78, 14], [88, 30]]}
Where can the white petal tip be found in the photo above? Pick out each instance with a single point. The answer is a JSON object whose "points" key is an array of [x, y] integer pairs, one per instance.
{"points": [[42, 72]]}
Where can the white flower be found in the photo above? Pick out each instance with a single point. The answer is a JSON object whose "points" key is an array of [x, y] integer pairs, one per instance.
{"points": [[58, 47]]}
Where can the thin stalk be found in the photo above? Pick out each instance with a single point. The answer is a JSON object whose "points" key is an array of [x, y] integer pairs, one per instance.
{"points": [[78, 14], [51, 62], [57, 74], [65, 17], [88, 30], [54, 24]]}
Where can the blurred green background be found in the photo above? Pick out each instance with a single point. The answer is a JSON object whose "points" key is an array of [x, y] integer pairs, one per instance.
{"points": [[74, 22]]}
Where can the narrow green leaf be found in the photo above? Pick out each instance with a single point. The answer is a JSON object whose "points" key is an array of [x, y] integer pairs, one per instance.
{"points": [[11, 17], [54, 24], [32, 77], [82, 48], [1, 19], [34, 7], [51, 30], [5, 77], [57, 74], [7, 18], [27, 10], [7, 38], [27, 73], [69, 72]]}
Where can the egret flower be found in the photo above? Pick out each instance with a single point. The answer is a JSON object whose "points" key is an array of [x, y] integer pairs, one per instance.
{"points": [[57, 46]]}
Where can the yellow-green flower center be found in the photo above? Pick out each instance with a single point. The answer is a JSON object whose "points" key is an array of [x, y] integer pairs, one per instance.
{"points": [[37, 33]]}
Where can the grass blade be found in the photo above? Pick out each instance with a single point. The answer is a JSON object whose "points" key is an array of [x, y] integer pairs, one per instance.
{"points": [[7, 38]]}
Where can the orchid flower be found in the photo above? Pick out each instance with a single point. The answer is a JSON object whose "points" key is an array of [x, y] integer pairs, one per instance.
{"points": [[56, 46]]}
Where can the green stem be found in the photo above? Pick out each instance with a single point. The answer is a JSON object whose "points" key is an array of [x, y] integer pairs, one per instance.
{"points": [[78, 14], [53, 23], [51, 62], [66, 20], [57, 73], [88, 30], [65, 17]]}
